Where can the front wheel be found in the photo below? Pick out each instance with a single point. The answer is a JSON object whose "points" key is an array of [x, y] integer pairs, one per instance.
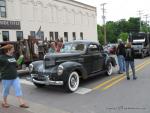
{"points": [[72, 83], [109, 69]]}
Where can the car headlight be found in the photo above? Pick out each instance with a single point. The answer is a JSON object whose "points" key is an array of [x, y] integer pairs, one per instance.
{"points": [[60, 70], [30, 67]]}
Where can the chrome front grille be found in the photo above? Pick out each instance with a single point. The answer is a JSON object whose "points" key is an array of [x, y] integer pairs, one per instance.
{"points": [[49, 62], [40, 78]]}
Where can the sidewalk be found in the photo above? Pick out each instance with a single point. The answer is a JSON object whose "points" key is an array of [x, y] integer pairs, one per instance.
{"points": [[33, 107], [13, 109]]}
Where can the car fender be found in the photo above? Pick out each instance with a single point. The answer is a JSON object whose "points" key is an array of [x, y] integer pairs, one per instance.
{"points": [[38, 64], [74, 66], [108, 59]]}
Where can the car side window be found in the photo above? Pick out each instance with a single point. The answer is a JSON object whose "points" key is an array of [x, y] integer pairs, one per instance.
{"points": [[93, 48]]}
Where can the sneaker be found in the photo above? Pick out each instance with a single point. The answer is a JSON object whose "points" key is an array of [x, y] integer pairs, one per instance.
{"points": [[128, 78], [134, 78]]}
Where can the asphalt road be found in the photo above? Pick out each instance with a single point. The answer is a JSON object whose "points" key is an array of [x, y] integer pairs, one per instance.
{"points": [[100, 94]]}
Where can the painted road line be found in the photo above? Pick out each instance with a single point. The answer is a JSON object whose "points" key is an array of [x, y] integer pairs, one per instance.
{"points": [[106, 82], [115, 78], [115, 82]]}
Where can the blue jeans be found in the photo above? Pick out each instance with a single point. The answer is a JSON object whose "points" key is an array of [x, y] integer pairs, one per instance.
{"points": [[7, 85], [131, 63], [121, 62]]}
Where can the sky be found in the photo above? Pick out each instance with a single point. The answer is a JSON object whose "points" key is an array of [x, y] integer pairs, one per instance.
{"points": [[120, 9]]}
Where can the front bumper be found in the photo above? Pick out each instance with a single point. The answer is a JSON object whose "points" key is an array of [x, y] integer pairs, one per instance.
{"points": [[45, 80]]}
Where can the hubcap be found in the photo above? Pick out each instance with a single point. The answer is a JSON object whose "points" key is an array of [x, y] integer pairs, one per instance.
{"points": [[73, 81]]}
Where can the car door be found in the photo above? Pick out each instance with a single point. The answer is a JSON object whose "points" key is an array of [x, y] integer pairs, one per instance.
{"points": [[97, 58], [88, 63]]}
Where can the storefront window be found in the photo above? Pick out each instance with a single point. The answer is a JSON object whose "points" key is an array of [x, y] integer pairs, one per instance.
{"points": [[81, 35], [66, 36], [42, 35], [5, 35], [51, 36], [32, 33], [74, 35], [19, 35], [56, 35]]}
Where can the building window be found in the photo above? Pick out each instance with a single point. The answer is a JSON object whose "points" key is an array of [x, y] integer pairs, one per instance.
{"points": [[19, 35], [56, 35], [42, 35], [32, 33], [51, 35], [81, 35], [74, 35], [2, 8], [66, 36], [5, 35]]}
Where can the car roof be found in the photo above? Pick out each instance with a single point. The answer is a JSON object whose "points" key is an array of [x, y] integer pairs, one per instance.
{"points": [[84, 41]]}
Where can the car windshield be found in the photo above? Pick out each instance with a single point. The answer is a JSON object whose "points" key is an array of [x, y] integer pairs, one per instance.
{"points": [[73, 47]]}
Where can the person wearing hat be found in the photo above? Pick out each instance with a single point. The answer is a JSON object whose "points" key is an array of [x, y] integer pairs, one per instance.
{"points": [[120, 56], [10, 76]]}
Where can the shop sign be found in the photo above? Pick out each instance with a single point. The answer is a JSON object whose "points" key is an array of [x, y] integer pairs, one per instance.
{"points": [[6, 24]]}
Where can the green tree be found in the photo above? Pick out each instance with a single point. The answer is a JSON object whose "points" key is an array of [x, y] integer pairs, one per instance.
{"points": [[123, 36], [112, 32], [133, 24], [100, 34], [121, 28]]}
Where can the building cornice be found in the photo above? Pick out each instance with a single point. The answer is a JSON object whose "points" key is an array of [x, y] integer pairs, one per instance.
{"points": [[77, 4]]}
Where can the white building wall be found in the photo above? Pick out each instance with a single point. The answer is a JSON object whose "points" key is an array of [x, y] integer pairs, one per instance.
{"points": [[52, 15]]}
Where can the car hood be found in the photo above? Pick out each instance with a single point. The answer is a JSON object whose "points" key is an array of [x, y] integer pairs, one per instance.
{"points": [[61, 55], [58, 58]]}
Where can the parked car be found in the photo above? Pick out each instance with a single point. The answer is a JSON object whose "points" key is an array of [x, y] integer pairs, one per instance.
{"points": [[78, 59]]}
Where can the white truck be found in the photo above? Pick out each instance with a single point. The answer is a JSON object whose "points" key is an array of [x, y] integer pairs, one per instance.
{"points": [[141, 44]]}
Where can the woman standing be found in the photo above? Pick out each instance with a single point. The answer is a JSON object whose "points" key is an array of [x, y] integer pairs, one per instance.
{"points": [[10, 76]]}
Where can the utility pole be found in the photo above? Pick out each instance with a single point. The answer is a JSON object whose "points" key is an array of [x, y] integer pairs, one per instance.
{"points": [[104, 24], [146, 17], [140, 14]]}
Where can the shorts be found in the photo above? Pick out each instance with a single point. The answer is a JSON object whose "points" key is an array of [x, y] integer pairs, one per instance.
{"points": [[7, 85]]}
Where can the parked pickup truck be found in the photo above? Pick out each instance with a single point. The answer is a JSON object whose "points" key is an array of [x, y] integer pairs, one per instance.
{"points": [[78, 59]]}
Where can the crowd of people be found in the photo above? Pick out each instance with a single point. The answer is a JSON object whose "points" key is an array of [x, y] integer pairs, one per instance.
{"points": [[55, 46]]}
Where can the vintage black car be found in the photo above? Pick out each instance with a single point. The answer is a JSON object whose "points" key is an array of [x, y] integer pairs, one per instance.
{"points": [[78, 59]]}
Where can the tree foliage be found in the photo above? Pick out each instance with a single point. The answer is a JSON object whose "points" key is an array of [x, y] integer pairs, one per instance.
{"points": [[121, 29], [123, 36]]}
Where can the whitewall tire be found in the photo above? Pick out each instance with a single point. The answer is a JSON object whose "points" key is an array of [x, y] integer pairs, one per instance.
{"points": [[109, 69], [72, 83]]}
